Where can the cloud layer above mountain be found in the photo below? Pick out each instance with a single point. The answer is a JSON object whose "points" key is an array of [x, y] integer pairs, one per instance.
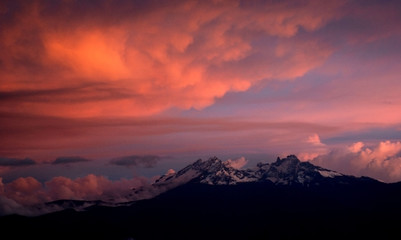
{"points": [[92, 80], [381, 161]]}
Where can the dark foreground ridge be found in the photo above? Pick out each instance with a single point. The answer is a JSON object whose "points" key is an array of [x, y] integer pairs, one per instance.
{"points": [[287, 199]]}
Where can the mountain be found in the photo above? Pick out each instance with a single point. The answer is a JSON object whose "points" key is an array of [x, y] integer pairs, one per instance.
{"points": [[286, 171], [211, 199], [215, 172]]}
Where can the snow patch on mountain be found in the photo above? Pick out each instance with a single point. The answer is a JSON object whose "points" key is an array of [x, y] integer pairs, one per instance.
{"points": [[329, 173]]}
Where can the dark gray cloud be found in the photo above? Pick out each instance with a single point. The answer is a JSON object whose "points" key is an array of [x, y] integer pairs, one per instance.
{"points": [[147, 161], [16, 162], [70, 159]]}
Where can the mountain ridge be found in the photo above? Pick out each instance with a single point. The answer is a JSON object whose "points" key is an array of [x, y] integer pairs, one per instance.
{"points": [[289, 170]]}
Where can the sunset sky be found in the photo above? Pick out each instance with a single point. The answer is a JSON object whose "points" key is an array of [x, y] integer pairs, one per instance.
{"points": [[115, 92]]}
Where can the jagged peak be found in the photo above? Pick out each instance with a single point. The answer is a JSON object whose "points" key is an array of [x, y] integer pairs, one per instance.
{"points": [[210, 161], [214, 159], [262, 164], [289, 159]]}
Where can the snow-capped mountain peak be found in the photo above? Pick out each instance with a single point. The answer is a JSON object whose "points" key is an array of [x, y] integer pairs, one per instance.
{"points": [[285, 171], [213, 171], [291, 170]]}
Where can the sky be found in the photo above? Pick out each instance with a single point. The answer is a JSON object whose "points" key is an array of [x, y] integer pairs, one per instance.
{"points": [[116, 93]]}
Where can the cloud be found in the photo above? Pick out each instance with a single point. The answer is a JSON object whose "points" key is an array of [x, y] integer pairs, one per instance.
{"points": [[170, 172], [25, 195], [148, 59], [147, 161], [237, 163], [8, 206], [104, 76], [315, 140], [313, 149], [16, 162], [21, 132], [381, 161], [68, 160], [91, 187], [307, 156], [356, 147], [25, 191]]}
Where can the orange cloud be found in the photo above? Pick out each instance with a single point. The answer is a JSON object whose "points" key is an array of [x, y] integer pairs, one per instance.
{"points": [[183, 56], [89, 53]]}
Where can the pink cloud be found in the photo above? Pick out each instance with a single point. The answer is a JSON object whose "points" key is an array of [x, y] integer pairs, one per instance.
{"points": [[315, 140], [25, 191], [24, 195], [147, 135], [1, 186], [92, 187], [170, 171], [356, 147], [307, 156], [237, 163], [381, 161], [312, 149]]}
